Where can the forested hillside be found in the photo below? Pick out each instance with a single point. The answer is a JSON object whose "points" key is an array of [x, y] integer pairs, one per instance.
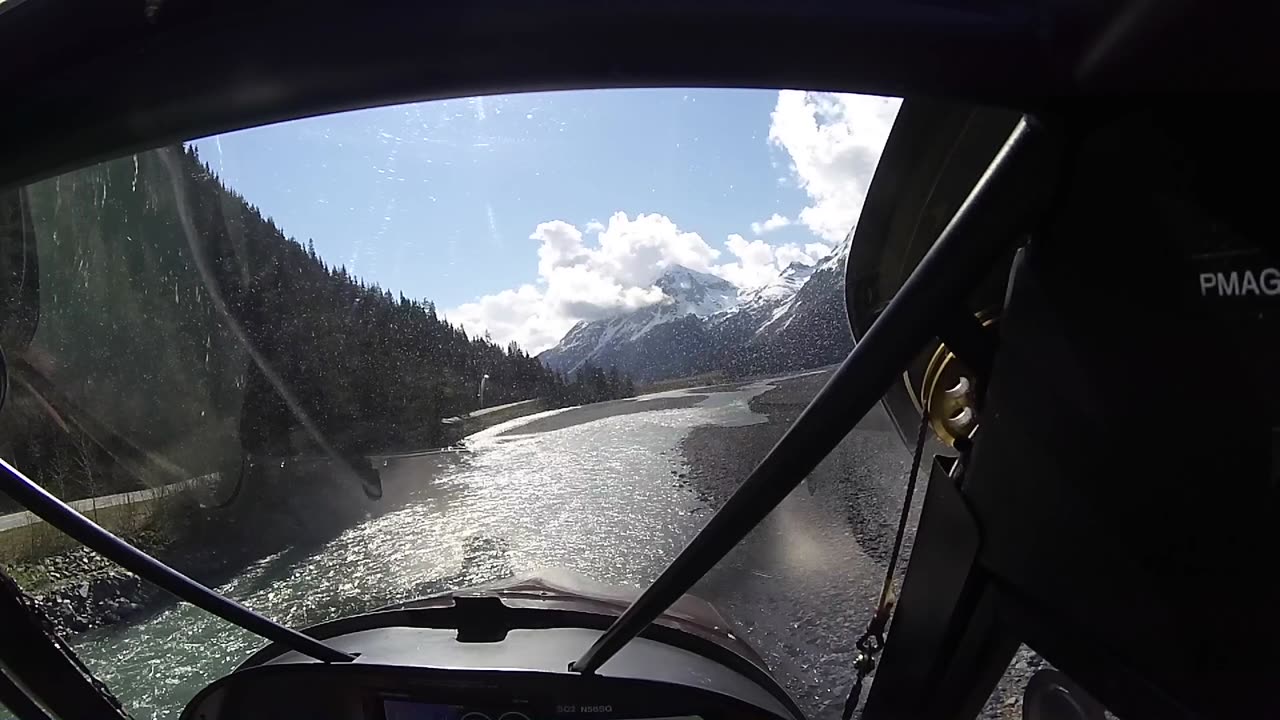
{"points": [[159, 284]]}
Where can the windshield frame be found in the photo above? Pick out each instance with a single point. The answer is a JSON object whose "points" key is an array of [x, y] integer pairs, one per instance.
{"points": [[303, 63]]}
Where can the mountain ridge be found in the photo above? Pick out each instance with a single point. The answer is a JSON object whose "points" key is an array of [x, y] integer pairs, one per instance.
{"points": [[705, 323]]}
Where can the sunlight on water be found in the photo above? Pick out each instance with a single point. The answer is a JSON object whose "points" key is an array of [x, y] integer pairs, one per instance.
{"points": [[599, 498], [603, 491]]}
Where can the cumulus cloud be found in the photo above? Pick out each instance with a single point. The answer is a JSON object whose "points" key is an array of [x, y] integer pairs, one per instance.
{"points": [[755, 262], [810, 254], [519, 315], [579, 279], [758, 262], [834, 142], [817, 250], [774, 222]]}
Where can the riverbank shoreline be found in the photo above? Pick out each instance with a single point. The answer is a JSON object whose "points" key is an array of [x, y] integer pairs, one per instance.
{"points": [[864, 473], [79, 590]]}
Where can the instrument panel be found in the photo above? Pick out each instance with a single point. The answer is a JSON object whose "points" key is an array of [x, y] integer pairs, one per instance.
{"points": [[335, 692], [503, 656], [417, 673]]}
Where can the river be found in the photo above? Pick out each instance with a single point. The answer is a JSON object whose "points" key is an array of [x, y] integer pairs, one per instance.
{"points": [[602, 490]]}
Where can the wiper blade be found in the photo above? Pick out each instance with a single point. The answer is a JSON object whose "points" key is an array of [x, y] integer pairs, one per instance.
{"points": [[61, 516]]}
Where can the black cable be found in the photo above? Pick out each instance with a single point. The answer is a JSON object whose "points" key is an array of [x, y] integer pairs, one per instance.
{"points": [[4, 378], [872, 640], [906, 509], [245, 463]]}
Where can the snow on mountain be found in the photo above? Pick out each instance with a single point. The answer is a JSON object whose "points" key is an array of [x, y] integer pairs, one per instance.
{"points": [[811, 328], [638, 341], [695, 293], [838, 257], [780, 289]]}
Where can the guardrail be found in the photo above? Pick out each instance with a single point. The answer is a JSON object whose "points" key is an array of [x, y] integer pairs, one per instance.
{"points": [[23, 536]]}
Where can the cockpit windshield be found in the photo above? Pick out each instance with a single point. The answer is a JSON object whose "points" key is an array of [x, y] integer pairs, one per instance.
{"points": [[338, 363]]}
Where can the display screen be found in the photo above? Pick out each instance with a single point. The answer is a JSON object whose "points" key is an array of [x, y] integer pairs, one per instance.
{"points": [[413, 710], [410, 710]]}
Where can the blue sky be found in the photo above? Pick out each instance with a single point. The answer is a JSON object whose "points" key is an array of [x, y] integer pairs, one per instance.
{"points": [[522, 214]]}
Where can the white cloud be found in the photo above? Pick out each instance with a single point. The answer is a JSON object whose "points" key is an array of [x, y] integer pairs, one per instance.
{"points": [[510, 315], [834, 142], [758, 262], [810, 254], [755, 264], [582, 280], [774, 222], [817, 250], [638, 251]]}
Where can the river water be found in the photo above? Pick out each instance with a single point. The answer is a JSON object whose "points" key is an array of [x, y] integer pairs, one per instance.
{"points": [[597, 491]]}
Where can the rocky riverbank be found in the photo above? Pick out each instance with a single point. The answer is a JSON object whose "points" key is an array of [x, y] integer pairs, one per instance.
{"points": [[864, 477], [79, 590]]}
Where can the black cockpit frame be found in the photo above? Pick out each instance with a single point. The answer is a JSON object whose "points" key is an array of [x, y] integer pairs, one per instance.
{"points": [[91, 82]]}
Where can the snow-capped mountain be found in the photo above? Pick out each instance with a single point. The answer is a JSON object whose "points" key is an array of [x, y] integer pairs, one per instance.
{"points": [[829, 270], [638, 342], [780, 289], [694, 293], [705, 323], [810, 329]]}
